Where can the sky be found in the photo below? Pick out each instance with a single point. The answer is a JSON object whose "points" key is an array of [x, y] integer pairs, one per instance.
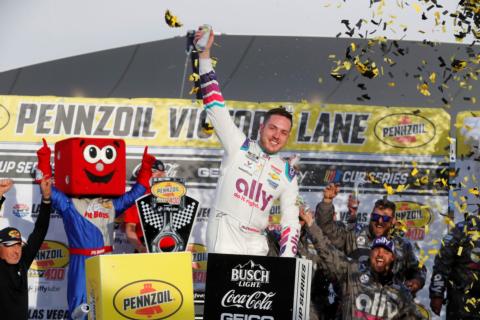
{"points": [[33, 31]]}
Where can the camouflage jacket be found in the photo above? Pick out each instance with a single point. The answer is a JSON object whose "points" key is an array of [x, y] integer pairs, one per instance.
{"points": [[355, 243], [366, 295], [457, 270]]}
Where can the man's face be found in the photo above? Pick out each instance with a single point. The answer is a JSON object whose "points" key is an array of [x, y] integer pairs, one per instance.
{"points": [[11, 254], [381, 259], [157, 173], [274, 133], [381, 221]]}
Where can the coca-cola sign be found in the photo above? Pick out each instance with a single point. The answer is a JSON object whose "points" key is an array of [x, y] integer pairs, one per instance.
{"points": [[259, 300], [254, 287]]}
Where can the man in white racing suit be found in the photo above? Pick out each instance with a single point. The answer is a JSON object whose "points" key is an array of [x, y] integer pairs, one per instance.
{"points": [[252, 176]]}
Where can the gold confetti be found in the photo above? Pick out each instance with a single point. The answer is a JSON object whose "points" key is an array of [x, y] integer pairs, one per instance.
{"points": [[414, 172], [388, 188], [194, 77], [423, 88], [459, 252], [171, 20]]}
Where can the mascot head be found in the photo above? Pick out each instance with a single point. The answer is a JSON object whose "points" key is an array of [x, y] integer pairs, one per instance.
{"points": [[90, 166]]}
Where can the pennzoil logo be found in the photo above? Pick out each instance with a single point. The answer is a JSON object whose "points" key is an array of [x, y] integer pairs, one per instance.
{"points": [[405, 130], [199, 262], [415, 217], [50, 261], [4, 117], [148, 299], [169, 191]]}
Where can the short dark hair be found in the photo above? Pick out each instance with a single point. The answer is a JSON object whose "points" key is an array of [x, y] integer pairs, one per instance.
{"points": [[385, 204], [280, 111]]}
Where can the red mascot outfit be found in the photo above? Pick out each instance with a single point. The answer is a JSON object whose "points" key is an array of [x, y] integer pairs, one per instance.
{"points": [[87, 169]]}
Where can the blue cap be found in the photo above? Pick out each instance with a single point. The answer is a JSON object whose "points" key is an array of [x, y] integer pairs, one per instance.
{"points": [[383, 242]]}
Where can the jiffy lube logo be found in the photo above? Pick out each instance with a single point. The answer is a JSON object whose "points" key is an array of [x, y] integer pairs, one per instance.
{"points": [[252, 193], [405, 130], [415, 217], [148, 299], [50, 261]]}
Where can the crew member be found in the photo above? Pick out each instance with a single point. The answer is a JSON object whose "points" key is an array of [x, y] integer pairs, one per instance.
{"points": [[17, 256], [356, 243]]}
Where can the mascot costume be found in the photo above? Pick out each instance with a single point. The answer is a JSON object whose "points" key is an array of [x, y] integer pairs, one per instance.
{"points": [[89, 193]]}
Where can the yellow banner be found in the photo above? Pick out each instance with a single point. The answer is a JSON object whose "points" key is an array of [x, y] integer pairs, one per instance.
{"points": [[467, 130], [179, 123]]}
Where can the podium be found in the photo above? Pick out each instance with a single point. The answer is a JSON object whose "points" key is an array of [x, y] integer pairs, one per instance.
{"points": [[140, 286], [257, 287]]}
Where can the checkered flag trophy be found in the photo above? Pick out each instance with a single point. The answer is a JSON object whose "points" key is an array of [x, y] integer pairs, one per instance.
{"points": [[167, 215]]}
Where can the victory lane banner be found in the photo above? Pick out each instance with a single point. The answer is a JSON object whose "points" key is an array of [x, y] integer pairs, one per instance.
{"points": [[255, 287], [180, 123]]}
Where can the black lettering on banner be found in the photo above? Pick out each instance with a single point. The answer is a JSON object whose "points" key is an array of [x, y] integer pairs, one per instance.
{"points": [[146, 124], [322, 129], [341, 127], [302, 128], [106, 113], [177, 125], [44, 118], [123, 118], [64, 119], [137, 122], [201, 123], [191, 123], [26, 115], [358, 128], [84, 121]]}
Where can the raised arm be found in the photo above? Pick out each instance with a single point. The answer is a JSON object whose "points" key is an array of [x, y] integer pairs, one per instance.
{"points": [[5, 185], [337, 234], [332, 260], [227, 132], [39, 232]]}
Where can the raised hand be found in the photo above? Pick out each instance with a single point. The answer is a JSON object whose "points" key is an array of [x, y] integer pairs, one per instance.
{"points": [[43, 168], [330, 192], [5, 185]]}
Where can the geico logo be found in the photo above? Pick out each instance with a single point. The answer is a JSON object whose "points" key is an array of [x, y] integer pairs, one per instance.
{"points": [[75, 119], [238, 316], [147, 300], [379, 306], [208, 172], [251, 275]]}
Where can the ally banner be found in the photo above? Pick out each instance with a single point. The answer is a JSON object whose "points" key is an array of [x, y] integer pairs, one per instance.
{"points": [[397, 152]]}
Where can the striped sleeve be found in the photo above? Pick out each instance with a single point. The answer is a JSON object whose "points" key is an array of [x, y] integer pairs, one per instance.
{"points": [[227, 132]]}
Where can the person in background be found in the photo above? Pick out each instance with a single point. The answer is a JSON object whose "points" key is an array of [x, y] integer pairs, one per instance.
{"points": [[356, 243], [370, 290], [457, 271], [17, 256], [131, 218]]}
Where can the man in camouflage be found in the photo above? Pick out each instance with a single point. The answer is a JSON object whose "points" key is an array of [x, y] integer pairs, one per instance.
{"points": [[356, 243], [457, 271], [370, 291]]}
